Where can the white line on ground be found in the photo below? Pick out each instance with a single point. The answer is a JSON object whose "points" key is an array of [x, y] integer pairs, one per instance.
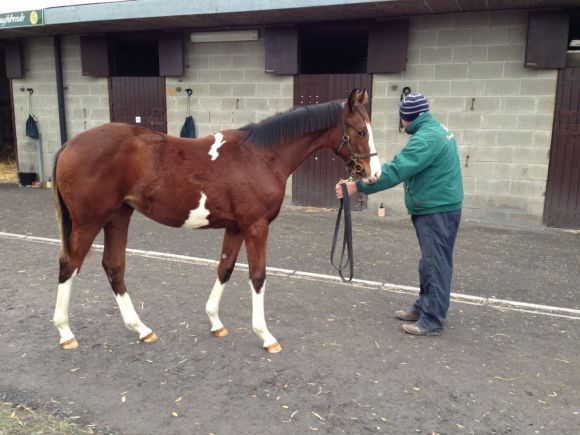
{"points": [[524, 307]]}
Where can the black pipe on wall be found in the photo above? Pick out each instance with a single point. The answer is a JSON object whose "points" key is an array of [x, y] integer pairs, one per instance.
{"points": [[59, 89]]}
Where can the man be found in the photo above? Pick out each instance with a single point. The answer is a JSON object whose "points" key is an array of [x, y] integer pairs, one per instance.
{"points": [[430, 168]]}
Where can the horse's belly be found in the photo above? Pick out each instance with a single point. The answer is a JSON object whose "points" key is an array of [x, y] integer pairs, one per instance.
{"points": [[176, 215], [198, 217]]}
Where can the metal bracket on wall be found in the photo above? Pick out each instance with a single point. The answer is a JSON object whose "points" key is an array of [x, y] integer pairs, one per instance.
{"points": [[406, 91], [188, 91]]}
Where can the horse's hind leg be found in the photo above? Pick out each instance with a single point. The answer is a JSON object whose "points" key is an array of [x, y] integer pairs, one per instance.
{"points": [[231, 247], [80, 242], [116, 231]]}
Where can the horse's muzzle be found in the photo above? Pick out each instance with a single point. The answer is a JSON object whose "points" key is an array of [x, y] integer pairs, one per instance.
{"points": [[367, 169], [370, 180]]}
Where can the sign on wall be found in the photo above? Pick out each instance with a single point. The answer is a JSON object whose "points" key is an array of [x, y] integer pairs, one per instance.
{"points": [[21, 19]]}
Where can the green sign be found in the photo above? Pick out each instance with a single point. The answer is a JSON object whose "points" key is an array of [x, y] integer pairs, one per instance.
{"points": [[21, 19]]}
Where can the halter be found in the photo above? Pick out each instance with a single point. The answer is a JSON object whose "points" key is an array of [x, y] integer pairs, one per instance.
{"points": [[357, 167]]}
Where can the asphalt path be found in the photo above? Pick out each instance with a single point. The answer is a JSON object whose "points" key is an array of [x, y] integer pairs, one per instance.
{"points": [[345, 367], [539, 266]]}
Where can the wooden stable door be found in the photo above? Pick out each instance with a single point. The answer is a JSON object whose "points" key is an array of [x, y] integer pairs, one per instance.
{"points": [[562, 205], [313, 182], [139, 100]]}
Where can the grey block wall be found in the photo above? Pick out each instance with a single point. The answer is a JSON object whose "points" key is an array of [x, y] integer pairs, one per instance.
{"points": [[230, 87], [39, 76], [86, 98], [86, 101], [471, 66]]}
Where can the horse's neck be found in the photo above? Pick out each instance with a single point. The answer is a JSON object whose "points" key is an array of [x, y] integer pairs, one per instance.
{"points": [[290, 156]]}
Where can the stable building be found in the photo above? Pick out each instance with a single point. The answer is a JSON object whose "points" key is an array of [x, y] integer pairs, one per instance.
{"points": [[504, 76]]}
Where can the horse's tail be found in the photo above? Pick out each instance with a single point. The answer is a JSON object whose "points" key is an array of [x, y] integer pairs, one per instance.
{"points": [[62, 214]]}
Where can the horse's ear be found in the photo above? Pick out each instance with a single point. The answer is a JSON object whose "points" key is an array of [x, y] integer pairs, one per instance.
{"points": [[357, 97], [363, 97], [353, 99]]}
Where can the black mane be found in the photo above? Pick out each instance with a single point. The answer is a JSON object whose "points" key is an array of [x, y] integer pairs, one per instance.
{"points": [[295, 123]]}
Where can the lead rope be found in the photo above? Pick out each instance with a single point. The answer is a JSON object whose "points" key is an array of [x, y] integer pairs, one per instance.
{"points": [[346, 239]]}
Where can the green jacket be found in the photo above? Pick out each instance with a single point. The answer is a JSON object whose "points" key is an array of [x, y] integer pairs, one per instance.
{"points": [[429, 165]]}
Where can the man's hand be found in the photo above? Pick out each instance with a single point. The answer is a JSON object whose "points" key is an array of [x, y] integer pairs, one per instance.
{"points": [[350, 186]]}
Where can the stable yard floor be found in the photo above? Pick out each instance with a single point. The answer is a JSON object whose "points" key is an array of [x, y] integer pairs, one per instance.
{"points": [[345, 367]]}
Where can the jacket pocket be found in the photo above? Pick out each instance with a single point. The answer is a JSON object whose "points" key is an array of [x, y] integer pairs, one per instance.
{"points": [[409, 189]]}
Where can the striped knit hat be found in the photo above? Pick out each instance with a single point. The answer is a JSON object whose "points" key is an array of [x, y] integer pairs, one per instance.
{"points": [[412, 106]]}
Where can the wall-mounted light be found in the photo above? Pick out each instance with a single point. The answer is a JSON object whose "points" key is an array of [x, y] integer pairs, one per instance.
{"points": [[226, 36]]}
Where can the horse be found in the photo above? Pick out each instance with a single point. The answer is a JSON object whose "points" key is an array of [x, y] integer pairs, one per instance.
{"points": [[233, 179]]}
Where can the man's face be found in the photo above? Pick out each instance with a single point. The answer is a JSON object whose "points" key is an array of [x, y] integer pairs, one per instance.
{"points": [[405, 124]]}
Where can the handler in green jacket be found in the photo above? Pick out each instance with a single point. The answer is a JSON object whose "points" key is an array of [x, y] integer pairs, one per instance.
{"points": [[429, 166]]}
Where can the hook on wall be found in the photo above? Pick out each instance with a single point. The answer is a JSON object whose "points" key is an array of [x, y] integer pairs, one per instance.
{"points": [[406, 91], [189, 92], [30, 91]]}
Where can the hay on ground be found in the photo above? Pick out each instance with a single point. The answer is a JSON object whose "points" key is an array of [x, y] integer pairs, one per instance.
{"points": [[8, 171]]}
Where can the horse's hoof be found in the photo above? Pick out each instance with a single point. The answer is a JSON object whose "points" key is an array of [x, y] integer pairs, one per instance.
{"points": [[222, 332], [273, 348], [150, 338], [71, 343]]}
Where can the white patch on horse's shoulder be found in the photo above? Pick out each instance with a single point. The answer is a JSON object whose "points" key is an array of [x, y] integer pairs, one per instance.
{"points": [[198, 217], [213, 151]]}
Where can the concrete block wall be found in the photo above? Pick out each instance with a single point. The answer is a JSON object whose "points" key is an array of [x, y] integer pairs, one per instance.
{"points": [[230, 88], [86, 101], [86, 98], [38, 59], [471, 66]]}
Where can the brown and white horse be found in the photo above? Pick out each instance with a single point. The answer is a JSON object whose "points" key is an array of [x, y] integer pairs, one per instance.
{"points": [[234, 180]]}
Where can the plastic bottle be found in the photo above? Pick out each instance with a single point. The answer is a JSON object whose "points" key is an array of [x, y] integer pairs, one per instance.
{"points": [[381, 212]]}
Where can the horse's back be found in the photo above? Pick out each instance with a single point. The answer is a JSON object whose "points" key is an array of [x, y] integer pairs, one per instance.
{"points": [[112, 138], [107, 148]]}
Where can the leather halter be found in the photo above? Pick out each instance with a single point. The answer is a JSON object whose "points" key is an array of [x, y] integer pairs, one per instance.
{"points": [[357, 167]]}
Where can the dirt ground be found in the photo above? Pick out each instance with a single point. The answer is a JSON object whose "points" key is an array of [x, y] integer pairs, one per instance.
{"points": [[345, 366]]}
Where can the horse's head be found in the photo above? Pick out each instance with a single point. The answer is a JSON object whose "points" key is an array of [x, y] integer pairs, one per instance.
{"points": [[357, 147]]}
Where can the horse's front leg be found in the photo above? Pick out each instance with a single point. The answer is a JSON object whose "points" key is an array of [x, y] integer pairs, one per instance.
{"points": [[256, 238], [231, 247]]}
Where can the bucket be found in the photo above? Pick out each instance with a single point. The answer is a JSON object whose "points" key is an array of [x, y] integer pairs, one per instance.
{"points": [[27, 178]]}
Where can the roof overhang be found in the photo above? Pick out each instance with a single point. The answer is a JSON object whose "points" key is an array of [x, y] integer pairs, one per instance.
{"points": [[148, 15]]}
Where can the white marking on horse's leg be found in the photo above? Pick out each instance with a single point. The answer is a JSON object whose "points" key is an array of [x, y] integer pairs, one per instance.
{"points": [[375, 161], [212, 308], [198, 217], [213, 151], [60, 318], [258, 319], [130, 316]]}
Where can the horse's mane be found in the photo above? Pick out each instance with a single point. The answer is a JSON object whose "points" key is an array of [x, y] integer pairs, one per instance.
{"points": [[295, 123]]}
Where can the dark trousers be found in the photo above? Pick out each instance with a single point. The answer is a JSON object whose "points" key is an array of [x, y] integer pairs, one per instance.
{"points": [[436, 233]]}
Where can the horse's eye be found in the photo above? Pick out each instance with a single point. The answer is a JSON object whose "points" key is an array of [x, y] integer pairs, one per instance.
{"points": [[360, 133]]}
